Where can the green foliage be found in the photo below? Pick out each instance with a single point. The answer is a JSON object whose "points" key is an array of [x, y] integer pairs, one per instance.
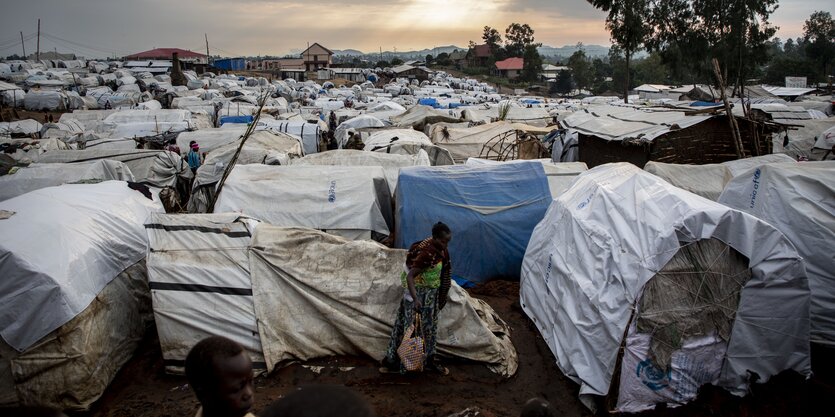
{"points": [[443, 59], [396, 62], [493, 39], [428, 59], [581, 69], [533, 64], [563, 84], [517, 38], [382, 64], [819, 36], [651, 70]]}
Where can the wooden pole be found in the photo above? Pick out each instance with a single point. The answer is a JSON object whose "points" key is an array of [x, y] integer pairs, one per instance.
{"points": [[22, 45], [207, 49], [740, 152], [38, 51]]}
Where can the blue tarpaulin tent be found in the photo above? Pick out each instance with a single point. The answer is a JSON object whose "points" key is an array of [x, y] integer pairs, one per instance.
{"points": [[236, 119], [491, 209], [429, 101]]}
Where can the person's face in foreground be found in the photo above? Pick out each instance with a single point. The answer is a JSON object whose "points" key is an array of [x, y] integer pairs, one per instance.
{"points": [[444, 241], [234, 392]]}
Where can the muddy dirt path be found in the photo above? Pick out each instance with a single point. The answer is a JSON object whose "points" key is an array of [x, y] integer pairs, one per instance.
{"points": [[143, 389]]}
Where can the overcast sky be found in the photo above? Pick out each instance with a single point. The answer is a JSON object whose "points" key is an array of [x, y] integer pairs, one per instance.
{"points": [[257, 27]]}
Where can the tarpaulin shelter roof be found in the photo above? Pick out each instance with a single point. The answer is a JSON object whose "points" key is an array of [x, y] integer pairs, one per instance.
{"points": [[91, 233], [624, 123]]}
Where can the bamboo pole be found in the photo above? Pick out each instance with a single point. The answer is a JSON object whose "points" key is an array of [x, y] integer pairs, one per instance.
{"points": [[740, 151]]}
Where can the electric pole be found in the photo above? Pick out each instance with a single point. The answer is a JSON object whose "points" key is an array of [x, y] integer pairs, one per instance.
{"points": [[22, 45], [38, 51], [207, 49]]}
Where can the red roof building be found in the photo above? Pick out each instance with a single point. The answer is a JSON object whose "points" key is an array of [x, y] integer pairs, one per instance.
{"points": [[166, 53], [510, 68], [481, 51]]}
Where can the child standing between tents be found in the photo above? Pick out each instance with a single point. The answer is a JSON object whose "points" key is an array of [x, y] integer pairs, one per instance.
{"points": [[193, 157], [426, 287], [220, 373]]}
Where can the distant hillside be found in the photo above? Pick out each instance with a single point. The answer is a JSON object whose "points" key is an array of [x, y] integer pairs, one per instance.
{"points": [[568, 50], [400, 54], [545, 51]]}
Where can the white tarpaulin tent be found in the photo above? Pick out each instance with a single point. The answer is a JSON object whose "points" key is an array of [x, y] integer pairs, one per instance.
{"points": [[470, 142], [709, 180], [209, 139], [198, 260], [262, 147], [73, 293], [26, 127], [153, 167], [319, 295], [37, 176], [625, 225], [419, 116], [309, 133], [360, 122], [391, 163], [344, 303], [349, 201], [798, 199]]}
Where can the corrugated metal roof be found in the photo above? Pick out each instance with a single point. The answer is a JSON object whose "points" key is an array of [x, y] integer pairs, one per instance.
{"points": [[511, 64]]}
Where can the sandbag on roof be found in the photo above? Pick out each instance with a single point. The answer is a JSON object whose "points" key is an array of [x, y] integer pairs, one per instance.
{"points": [[469, 142], [37, 176], [350, 201], [491, 209], [153, 167], [197, 260], [391, 163], [91, 233], [260, 147], [319, 295], [624, 226], [797, 198]]}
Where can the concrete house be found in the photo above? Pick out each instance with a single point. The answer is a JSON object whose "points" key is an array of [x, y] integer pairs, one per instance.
{"points": [[317, 57]]}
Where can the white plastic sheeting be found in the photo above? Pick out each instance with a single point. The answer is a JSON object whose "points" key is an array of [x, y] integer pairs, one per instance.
{"points": [[470, 142], [390, 163], [628, 123], [383, 138], [318, 295], [70, 368], [359, 122], [153, 167], [26, 127], [798, 199], [91, 233], [709, 180], [560, 175], [342, 200], [209, 139], [262, 147], [419, 116], [309, 133], [625, 225], [198, 260], [37, 176]]}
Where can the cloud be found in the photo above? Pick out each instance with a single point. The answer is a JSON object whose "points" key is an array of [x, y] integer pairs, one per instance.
{"points": [[259, 27]]}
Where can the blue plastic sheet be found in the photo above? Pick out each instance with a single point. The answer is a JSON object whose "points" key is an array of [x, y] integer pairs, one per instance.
{"points": [[429, 101], [491, 209], [236, 119]]}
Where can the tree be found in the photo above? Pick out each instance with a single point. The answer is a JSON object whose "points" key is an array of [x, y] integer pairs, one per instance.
{"points": [[517, 38], [563, 84], [396, 61], [627, 26], [651, 70], [532, 66], [428, 59], [492, 38], [382, 64], [581, 69], [736, 33], [819, 36]]}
